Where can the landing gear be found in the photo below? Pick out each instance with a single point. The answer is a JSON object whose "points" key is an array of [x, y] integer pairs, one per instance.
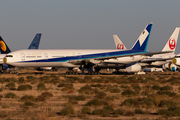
{"points": [[71, 72]]}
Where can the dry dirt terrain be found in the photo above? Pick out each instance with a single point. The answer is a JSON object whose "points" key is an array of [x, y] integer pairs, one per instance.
{"points": [[56, 96]]}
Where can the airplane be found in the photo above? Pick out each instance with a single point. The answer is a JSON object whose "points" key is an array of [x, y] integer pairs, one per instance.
{"points": [[5, 49], [128, 63], [72, 58], [160, 60]]}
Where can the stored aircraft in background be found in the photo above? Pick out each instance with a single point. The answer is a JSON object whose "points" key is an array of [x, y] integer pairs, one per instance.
{"points": [[160, 60], [5, 49], [72, 58]]}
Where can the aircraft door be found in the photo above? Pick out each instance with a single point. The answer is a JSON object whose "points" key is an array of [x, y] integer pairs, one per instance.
{"points": [[23, 56], [46, 56]]}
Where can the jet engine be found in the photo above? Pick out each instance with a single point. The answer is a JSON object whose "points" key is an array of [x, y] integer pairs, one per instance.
{"points": [[176, 61], [169, 66], [133, 68], [3, 66]]}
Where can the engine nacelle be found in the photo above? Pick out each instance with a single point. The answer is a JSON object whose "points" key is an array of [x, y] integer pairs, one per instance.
{"points": [[169, 66], [133, 68], [176, 61], [3, 66]]}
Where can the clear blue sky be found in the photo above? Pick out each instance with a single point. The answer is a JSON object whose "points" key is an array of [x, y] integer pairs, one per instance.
{"points": [[80, 24]]}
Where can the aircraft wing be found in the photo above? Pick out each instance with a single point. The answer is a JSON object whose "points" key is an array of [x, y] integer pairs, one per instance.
{"points": [[98, 60], [144, 54]]}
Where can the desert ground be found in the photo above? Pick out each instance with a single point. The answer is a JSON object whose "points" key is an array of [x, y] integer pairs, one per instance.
{"points": [[56, 96]]}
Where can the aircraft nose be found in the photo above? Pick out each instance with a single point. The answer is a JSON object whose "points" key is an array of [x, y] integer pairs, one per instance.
{"points": [[5, 60]]}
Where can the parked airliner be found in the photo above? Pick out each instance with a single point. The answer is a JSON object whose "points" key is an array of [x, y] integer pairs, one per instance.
{"points": [[71, 58], [5, 49], [160, 60]]}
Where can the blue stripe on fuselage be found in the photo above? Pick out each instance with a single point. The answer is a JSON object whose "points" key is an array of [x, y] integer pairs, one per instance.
{"points": [[90, 56]]}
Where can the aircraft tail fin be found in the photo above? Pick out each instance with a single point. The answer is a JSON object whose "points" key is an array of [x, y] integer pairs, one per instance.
{"points": [[118, 43], [3, 47], [35, 43], [142, 41], [172, 42]]}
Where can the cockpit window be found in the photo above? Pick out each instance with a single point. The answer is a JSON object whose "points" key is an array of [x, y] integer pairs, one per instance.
{"points": [[9, 55]]}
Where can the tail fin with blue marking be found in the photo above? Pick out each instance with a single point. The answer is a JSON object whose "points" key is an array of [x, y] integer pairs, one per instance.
{"points": [[3, 47], [35, 42], [142, 41]]}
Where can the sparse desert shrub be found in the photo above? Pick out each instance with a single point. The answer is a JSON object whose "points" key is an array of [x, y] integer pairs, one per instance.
{"points": [[44, 96], [3, 114], [166, 87], [44, 78], [67, 111], [96, 102], [1, 89], [175, 111], [24, 87], [31, 79], [173, 80], [71, 102], [156, 87], [47, 94], [136, 87], [28, 98], [68, 87], [96, 85], [119, 111], [40, 98], [115, 90], [41, 86], [88, 78], [138, 111], [176, 98], [168, 103], [100, 95], [10, 85], [21, 80], [129, 113], [128, 93], [29, 103], [61, 85], [109, 98], [169, 93], [109, 108], [10, 95], [85, 110], [77, 97], [86, 90], [139, 102], [102, 112]]}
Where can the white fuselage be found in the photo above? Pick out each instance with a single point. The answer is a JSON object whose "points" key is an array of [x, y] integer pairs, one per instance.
{"points": [[157, 60], [65, 57]]}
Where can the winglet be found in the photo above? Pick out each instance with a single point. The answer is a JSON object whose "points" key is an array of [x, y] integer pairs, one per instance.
{"points": [[35, 42], [142, 41], [118, 43], [3, 47], [172, 42]]}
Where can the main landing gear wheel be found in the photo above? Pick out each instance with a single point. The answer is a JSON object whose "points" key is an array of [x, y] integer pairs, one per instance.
{"points": [[93, 73]]}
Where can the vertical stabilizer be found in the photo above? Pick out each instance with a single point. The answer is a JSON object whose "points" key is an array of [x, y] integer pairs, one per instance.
{"points": [[3, 47], [172, 42], [35, 42], [118, 43], [142, 41]]}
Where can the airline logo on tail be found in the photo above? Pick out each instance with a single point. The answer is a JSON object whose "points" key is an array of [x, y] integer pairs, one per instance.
{"points": [[120, 46], [3, 46], [142, 41], [172, 43]]}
